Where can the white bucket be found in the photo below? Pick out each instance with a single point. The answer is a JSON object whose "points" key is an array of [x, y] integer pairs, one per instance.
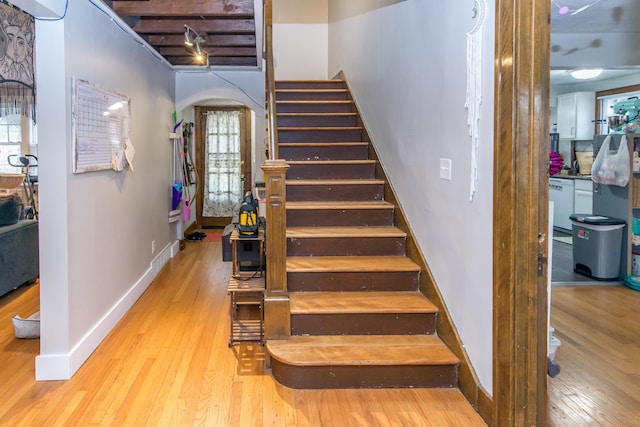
{"points": [[554, 343], [27, 328]]}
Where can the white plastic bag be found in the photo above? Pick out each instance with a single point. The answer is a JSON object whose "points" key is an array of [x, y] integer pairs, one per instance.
{"points": [[612, 167]]}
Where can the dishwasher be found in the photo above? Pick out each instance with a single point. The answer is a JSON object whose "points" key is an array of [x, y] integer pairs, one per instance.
{"points": [[561, 193]]}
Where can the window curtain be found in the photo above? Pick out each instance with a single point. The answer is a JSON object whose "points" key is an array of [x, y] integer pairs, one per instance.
{"points": [[17, 84], [222, 183]]}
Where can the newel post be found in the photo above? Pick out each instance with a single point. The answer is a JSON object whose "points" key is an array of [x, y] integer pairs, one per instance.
{"points": [[277, 319]]}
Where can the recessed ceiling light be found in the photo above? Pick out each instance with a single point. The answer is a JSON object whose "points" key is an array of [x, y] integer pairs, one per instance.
{"points": [[586, 74]]}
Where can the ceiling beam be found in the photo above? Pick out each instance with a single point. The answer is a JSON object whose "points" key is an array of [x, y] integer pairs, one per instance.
{"points": [[213, 51], [188, 60], [221, 8], [211, 40], [164, 26]]}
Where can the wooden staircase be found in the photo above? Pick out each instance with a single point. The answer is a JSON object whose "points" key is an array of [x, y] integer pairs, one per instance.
{"points": [[357, 316]]}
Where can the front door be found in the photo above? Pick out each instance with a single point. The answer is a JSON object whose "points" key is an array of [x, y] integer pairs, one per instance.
{"points": [[223, 156]]}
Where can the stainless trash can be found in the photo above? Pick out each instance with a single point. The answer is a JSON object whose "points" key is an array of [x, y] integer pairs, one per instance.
{"points": [[597, 245]]}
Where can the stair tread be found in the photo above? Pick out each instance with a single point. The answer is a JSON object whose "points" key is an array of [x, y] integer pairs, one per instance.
{"points": [[344, 232], [323, 144], [333, 181], [358, 350], [349, 114], [301, 264], [315, 101], [329, 205], [373, 302], [309, 81], [312, 90], [317, 128], [331, 162]]}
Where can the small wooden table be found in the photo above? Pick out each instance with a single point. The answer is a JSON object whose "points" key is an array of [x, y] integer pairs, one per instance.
{"points": [[246, 293], [235, 261]]}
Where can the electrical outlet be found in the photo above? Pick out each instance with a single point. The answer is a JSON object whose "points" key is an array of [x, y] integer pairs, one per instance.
{"points": [[445, 169], [153, 247]]}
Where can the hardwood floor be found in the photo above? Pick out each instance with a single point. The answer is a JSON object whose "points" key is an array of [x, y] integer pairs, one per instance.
{"points": [[167, 363], [599, 381]]}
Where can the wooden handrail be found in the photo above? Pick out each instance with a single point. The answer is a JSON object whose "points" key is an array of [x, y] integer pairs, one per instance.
{"points": [[277, 318]]}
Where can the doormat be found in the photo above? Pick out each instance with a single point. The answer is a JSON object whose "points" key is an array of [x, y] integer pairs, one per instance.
{"points": [[564, 239], [213, 237]]}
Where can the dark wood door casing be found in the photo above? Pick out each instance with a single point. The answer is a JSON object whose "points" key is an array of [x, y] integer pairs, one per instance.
{"points": [[521, 146], [245, 154]]}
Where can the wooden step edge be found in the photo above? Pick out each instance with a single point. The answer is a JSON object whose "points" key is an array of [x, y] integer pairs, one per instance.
{"points": [[313, 101], [319, 114], [345, 231], [331, 162], [312, 90], [351, 264], [323, 144], [362, 350], [339, 205], [309, 81], [372, 302], [334, 182], [318, 128]]}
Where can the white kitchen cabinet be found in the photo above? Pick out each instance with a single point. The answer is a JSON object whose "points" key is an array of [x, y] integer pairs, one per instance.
{"points": [[583, 200], [576, 113]]}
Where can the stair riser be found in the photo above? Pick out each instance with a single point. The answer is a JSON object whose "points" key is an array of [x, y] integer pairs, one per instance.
{"points": [[358, 246], [363, 324], [335, 84], [355, 192], [316, 107], [338, 152], [319, 135], [344, 171], [315, 121], [339, 217], [364, 376], [352, 282], [312, 96]]}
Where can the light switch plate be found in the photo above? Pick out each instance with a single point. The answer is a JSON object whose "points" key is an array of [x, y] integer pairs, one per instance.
{"points": [[445, 169]]}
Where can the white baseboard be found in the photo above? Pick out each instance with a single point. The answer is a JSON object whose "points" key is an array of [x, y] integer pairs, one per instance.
{"points": [[63, 366]]}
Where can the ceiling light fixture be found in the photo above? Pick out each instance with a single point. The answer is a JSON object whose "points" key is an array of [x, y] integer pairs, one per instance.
{"points": [[586, 74], [563, 10], [187, 38], [193, 39]]}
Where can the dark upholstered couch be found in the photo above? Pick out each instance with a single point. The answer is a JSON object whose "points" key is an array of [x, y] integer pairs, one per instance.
{"points": [[18, 254]]}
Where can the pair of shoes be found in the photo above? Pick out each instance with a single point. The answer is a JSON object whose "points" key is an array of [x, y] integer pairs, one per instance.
{"points": [[200, 234], [194, 237]]}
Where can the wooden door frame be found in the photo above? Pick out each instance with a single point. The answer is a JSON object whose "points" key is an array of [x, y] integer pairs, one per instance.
{"points": [[245, 152], [521, 146]]}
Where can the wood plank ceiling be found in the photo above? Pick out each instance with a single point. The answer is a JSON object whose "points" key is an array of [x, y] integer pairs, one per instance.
{"points": [[227, 28]]}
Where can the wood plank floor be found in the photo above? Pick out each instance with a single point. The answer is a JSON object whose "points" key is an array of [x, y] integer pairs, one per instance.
{"points": [[167, 364], [599, 356]]}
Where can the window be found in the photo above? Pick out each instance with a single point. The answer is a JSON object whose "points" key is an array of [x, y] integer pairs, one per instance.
{"points": [[10, 142]]}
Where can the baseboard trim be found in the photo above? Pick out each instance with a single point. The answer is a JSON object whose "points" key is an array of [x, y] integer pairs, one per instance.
{"points": [[50, 367]]}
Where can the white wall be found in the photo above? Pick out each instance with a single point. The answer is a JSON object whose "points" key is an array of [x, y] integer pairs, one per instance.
{"points": [[406, 62], [246, 87], [96, 228], [300, 39]]}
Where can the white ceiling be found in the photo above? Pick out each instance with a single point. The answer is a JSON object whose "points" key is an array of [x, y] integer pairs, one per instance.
{"points": [[604, 16], [606, 34]]}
